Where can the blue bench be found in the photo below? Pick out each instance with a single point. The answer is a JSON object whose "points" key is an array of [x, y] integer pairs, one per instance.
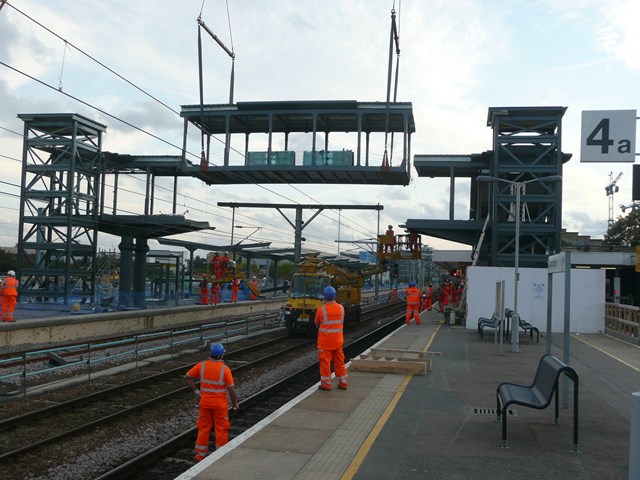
{"points": [[526, 326], [539, 394]]}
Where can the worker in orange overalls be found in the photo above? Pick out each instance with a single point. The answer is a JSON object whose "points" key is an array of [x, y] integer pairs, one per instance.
{"points": [[392, 234], [215, 381], [330, 320], [235, 289], [446, 288], [9, 296], [216, 265], [255, 285], [394, 294], [423, 303], [204, 292], [430, 297], [215, 291], [224, 264], [442, 299], [413, 295]]}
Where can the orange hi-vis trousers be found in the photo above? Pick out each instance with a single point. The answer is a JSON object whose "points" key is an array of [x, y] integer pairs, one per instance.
{"points": [[8, 306], [412, 311], [325, 357], [208, 418]]}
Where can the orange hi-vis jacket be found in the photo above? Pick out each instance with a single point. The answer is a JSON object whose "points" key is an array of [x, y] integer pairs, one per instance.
{"points": [[215, 377], [413, 295], [10, 287], [330, 320]]}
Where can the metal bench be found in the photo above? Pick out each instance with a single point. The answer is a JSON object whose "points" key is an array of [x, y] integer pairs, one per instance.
{"points": [[493, 322], [526, 326], [539, 394]]}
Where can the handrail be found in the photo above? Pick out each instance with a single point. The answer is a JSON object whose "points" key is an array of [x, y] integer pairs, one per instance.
{"points": [[622, 321], [19, 369]]}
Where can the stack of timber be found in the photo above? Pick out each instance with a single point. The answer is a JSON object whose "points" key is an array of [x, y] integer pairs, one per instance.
{"points": [[388, 360]]}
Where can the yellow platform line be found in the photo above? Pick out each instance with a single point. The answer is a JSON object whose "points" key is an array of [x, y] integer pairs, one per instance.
{"points": [[577, 337], [364, 449]]}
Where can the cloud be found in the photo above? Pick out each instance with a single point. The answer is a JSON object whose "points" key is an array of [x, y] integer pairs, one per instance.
{"points": [[584, 223], [618, 33]]}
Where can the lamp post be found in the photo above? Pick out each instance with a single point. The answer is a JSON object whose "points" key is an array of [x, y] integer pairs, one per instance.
{"points": [[233, 226], [515, 317]]}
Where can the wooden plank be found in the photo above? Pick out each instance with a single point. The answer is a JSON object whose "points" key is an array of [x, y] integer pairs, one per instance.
{"points": [[386, 358], [385, 366], [398, 352], [426, 361], [390, 364]]}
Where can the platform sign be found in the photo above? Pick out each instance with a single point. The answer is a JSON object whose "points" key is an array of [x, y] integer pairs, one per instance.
{"points": [[557, 262], [608, 136]]}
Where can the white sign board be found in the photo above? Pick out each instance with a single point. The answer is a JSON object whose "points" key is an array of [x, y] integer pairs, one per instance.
{"points": [[608, 136], [557, 262]]}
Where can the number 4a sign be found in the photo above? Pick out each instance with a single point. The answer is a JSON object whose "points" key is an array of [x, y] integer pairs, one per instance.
{"points": [[608, 136]]}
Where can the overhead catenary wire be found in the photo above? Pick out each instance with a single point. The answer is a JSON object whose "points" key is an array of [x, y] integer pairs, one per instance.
{"points": [[267, 226], [93, 59], [230, 52], [129, 124], [112, 116], [197, 201]]}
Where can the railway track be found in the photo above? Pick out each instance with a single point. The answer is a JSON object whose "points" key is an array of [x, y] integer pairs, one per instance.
{"points": [[73, 350], [30, 432], [167, 461], [103, 417], [23, 372]]}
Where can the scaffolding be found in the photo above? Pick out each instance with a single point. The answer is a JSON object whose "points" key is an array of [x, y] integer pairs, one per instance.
{"points": [[59, 202]]}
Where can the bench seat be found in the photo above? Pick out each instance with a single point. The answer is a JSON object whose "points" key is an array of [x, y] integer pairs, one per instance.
{"points": [[483, 322], [539, 394], [524, 325]]}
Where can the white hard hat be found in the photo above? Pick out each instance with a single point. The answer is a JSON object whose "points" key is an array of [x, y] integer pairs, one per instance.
{"points": [[12, 273]]}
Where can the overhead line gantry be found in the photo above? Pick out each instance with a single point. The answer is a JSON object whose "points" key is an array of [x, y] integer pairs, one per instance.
{"points": [[298, 226]]}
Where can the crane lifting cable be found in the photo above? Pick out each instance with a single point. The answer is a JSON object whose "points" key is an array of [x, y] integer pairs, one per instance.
{"points": [[394, 39], [232, 55]]}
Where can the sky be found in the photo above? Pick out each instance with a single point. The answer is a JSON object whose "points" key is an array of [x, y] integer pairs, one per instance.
{"points": [[458, 58]]}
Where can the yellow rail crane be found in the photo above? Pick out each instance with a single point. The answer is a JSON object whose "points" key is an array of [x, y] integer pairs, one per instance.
{"points": [[307, 291]]}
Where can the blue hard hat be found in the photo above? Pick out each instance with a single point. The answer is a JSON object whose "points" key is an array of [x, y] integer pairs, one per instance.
{"points": [[217, 350], [412, 284], [329, 293]]}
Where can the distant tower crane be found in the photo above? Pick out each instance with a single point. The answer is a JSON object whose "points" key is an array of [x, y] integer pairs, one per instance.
{"points": [[611, 189]]}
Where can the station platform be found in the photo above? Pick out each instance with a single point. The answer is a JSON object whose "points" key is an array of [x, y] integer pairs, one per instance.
{"points": [[442, 425], [38, 324]]}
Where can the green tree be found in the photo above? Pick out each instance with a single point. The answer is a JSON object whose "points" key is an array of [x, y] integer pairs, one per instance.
{"points": [[285, 270], [625, 232], [199, 264], [7, 261]]}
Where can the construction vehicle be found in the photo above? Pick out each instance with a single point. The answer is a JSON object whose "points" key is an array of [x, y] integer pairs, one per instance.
{"points": [[228, 273], [306, 294]]}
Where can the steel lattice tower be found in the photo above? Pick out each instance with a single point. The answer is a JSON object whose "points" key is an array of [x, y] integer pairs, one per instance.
{"points": [[526, 148], [59, 206]]}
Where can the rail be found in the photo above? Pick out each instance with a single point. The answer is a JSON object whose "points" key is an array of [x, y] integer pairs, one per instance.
{"points": [[622, 321], [89, 355]]}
